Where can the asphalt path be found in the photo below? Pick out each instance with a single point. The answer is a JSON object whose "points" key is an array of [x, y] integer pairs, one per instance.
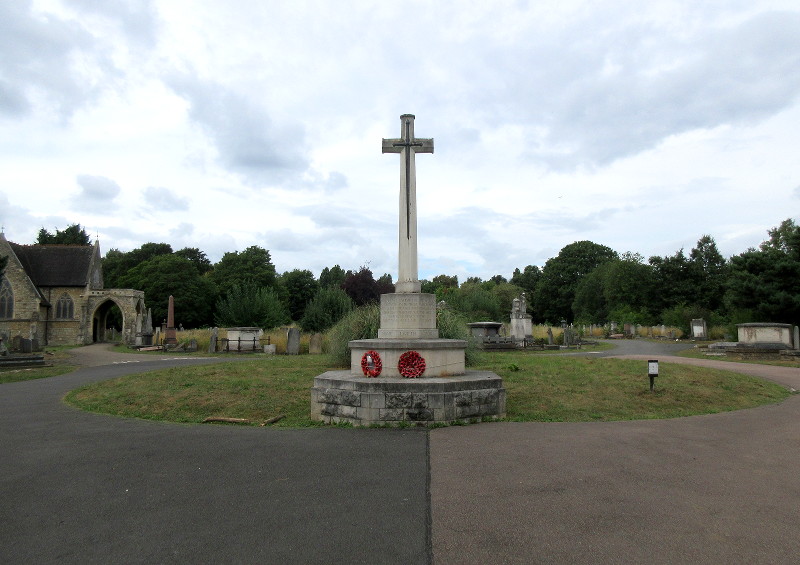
{"points": [[84, 488]]}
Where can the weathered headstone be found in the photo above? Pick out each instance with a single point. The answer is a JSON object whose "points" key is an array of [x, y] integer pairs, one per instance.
{"points": [[192, 345], [797, 337], [521, 324], [212, 343], [292, 341], [3, 348], [315, 344], [26, 346], [550, 336], [699, 330]]}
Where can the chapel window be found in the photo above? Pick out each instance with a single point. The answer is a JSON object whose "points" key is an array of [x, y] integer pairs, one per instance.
{"points": [[6, 299], [65, 308]]}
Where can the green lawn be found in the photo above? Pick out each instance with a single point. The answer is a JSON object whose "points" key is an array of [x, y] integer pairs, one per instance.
{"points": [[540, 388]]}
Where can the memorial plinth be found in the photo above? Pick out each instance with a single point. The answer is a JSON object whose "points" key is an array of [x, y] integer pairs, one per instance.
{"points": [[407, 374]]}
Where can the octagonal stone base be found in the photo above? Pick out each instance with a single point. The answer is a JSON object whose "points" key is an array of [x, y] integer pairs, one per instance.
{"points": [[338, 396]]}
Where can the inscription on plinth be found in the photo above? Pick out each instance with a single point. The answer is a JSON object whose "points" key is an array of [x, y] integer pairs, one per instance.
{"points": [[409, 316]]}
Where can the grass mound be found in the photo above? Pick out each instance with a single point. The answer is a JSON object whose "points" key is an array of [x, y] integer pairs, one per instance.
{"points": [[540, 388]]}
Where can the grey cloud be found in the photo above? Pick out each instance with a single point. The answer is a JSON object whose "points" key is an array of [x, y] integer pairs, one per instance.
{"points": [[41, 54], [159, 198], [96, 190], [248, 139], [591, 101]]}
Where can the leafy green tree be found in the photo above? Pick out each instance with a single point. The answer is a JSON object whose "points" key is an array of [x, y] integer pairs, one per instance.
{"points": [[116, 263], [527, 279], [197, 257], [555, 292], [445, 281], [708, 271], [673, 280], [762, 286], [165, 275], [385, 284], [253, 265], [72, 235], [327, 307], [298, 287], [590, 306], [477, 303], [332, 277], [628, 289], [251, 306]]}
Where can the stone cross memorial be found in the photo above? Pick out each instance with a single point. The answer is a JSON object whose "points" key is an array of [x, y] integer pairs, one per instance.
{"points": [[407, 373], [408, 146]]}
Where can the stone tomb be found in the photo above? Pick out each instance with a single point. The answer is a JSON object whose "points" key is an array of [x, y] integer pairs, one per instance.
{"points": [[444, 392]]}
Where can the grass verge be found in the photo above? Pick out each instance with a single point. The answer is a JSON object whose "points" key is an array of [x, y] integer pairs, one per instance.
{"points": [[705, 353], [540, 388], [57, 359]]}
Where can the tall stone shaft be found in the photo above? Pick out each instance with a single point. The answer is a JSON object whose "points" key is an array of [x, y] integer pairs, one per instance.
{"points": [[407, 146]]}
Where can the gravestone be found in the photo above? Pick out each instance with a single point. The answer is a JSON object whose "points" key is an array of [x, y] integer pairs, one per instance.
{"points": [[550, 336], [699, 330], [192, 347], [292, 341], [26, 345], [3, 348], [521, 324], [212, 343], [315, 344]]}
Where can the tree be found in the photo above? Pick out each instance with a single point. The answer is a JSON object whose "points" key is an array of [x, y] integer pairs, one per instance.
{"points": [[361, 287], [197, 257], [165, 275], [299, 287], [251, 306], [72, 235], [590, 304], [762, 285], [476, 303], [555, 292], [332, 277], [327, 307], [116, 263], [527, 279], [253, 265], [673, 281], [708, 271], [385, 284]]}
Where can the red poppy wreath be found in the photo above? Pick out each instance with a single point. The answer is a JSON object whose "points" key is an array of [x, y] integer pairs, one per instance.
{"points": [[371, 363], [411, 364]]}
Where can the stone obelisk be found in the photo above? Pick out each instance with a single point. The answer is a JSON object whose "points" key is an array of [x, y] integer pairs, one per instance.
{"points": [[170, 337]]}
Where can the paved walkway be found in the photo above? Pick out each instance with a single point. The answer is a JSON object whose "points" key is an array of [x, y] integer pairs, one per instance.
{"points": [[83, 488]]}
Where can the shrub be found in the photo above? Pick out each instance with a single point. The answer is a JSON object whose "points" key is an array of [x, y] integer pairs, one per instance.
{"points": [[364, 322], [327, 307], [251, 306], [361, 323]]}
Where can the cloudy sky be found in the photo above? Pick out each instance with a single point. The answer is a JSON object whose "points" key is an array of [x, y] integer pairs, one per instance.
{"points": [[637, 125]]}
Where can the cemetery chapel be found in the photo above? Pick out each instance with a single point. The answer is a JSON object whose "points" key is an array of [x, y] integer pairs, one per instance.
{"points": [[54, 294]]}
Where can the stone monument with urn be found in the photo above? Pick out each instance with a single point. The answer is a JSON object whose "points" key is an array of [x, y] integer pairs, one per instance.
{"points": [[407, 373]]}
